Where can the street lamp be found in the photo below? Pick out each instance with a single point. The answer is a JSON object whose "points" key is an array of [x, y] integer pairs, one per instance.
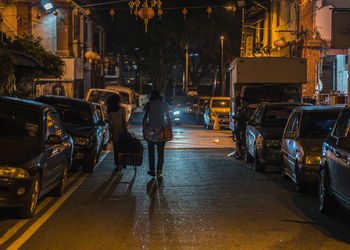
{"points": [[222, 67]]}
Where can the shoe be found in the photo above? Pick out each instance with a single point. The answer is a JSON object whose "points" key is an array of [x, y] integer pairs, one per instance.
{"points": [[159, 174], [151, 173]]}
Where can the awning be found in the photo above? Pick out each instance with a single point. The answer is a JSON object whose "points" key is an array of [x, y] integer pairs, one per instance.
{"points": [[22, 59]]}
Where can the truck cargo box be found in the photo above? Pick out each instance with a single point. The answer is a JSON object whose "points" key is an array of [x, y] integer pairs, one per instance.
{"points": [[268, 70]]}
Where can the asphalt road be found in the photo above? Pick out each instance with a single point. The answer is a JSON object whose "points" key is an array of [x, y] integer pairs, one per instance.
{"points": [[206, 200]]}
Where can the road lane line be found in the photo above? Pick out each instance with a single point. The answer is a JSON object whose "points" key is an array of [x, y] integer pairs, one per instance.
{"points": [[36, 225], [13, 230]]}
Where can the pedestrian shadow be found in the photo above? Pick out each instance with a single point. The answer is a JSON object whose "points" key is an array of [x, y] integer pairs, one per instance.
{"points": [[160, 218], [105, 190]]}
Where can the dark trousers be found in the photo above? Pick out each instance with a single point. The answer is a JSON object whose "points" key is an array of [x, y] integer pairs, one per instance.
{"points": [[151, 157]]}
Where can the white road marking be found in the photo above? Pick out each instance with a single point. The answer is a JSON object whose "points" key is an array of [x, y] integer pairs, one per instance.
{"points": [[33, 228]]}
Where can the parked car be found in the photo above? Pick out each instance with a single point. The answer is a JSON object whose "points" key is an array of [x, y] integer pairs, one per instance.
{"points": [[35, 154], [81, 121], [306, 129], [128, 99], [102, 114], [218, 106], [264, 133], [202, 100], [101, 96], [334, 171]]}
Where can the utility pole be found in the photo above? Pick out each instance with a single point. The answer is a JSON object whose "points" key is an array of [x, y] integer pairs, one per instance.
{"points": [[243, 33], [140, 71], [223, 87], [186, 74]]}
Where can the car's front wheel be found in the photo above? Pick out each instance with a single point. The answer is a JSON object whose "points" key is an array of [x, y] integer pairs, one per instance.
{"points": [[327, 204], [31, 201]]}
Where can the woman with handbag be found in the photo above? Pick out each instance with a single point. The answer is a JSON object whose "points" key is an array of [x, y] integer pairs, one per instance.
{"points": [[155, 131], [117, 124]]}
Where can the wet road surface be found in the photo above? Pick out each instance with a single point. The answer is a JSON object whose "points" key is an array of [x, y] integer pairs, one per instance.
{"points": [[205, 200]]}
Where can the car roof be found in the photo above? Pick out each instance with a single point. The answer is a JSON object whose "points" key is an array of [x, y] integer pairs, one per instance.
{"points": [[319, 108], [28, 104], [119, 88], [105, 90], [62, 99]]}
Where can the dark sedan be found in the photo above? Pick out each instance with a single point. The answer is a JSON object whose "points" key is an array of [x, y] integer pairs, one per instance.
{"points": [[81, 121], [334, 172], [35, 154], [264, 133], [303, 136]]}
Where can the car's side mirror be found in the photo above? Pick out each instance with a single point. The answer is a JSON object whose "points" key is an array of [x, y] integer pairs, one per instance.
{"points": [[291, 136], [343, 142], [54, 139]]}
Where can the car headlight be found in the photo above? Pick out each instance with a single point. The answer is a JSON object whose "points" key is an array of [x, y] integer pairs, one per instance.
{"points": [[81, 141], [12, 172], [312, 159], [272, 143], [176, 112]]}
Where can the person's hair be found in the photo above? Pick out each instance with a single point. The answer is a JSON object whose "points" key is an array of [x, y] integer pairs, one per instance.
{"points": [[155, 95], [113, 103]]}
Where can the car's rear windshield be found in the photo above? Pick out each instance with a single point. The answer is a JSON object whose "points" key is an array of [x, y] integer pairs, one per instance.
{"points": [[277, 117], [74, 113], [259, 94], [220, 103], [99, 96], [20, 124], [318, 124]]}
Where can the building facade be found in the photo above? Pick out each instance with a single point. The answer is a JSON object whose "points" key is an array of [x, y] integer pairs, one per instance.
{"points": [[67, 30]]}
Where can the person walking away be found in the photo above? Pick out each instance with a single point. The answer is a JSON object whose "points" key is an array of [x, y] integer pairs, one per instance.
{"points": [[154, 116], [241, 119], [117, 124]]}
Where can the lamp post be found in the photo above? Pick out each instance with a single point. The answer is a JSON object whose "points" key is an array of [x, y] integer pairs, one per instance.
{"points": [[186, 73], [223, 87]]}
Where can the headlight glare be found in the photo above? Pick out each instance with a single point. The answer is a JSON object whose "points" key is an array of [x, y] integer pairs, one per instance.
{"points": [[312, 160], [176, 112], [12, 172]]}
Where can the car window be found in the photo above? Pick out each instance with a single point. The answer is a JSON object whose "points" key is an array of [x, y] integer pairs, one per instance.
{"points": [[342, 127], [20, 124], [277, 116], [318, 124], [290, 128], [53, 124], [99, 96], [220, 104]]}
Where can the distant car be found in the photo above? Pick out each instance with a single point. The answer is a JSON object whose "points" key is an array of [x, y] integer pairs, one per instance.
{"points": [[218, 106], [264, 133], [334, 171], [81, 121], [102, 114], [35, 154], [306, 129]]}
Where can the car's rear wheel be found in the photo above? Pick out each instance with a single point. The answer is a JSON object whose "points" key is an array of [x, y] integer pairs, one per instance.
{"points": [[327, 204], [59, 189], [90, 162], [257, 165], [31, 201]]}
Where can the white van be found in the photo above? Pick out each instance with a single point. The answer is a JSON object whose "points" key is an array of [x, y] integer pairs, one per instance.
{"points": [[101, 96], [127, 96]]}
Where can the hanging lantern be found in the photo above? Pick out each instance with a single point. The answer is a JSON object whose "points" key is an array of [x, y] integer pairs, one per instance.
{"points": [[88, 12], [159, 4], [112, 13], [185, 12], [105, 60], [90, 55], [56, 13], [146, 13], [302, 3], [131, 6], [209, 11], [153, 3], [97, 57], [160, 13]]}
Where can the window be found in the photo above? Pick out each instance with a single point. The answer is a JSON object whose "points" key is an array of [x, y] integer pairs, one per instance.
{"points": [[293, 122], [342, 127], [53, 124]]}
